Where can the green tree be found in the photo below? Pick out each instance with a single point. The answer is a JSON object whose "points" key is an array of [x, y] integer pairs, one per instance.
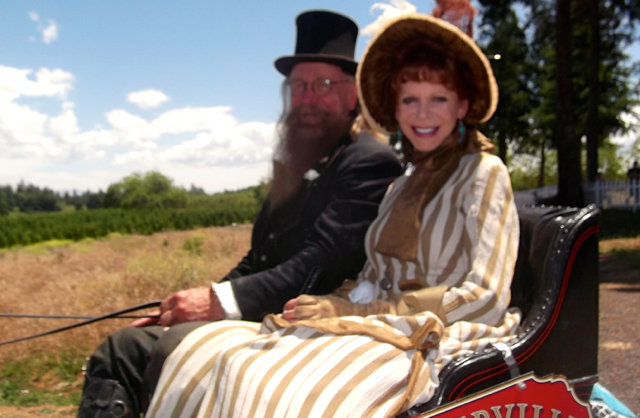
{"points": [[570, 192], [94, 200], [196, 191], [260, 192], [30, 198], [150, 190], [593, 114], [602, 93], [502, 34], [6, 200], [575, 104], [611, 167]]}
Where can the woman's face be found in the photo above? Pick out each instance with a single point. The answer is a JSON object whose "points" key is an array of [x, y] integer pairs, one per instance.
{"points": [[427, 113]]}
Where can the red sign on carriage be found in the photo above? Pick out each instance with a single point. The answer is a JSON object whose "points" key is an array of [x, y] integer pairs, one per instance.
{"points": [[525, 397]]}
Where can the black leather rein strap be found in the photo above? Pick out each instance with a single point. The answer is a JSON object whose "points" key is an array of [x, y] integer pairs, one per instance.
{"points": [[39, 316], [115, 314]]}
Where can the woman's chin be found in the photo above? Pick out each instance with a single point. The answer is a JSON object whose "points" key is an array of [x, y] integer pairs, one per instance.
{"points": [[426, 144]]}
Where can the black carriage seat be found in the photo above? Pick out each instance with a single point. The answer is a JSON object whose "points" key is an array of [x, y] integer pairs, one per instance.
{"points": [[556, 286]]}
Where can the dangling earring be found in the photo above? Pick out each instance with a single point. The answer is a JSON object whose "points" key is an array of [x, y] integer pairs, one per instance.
{"points": [[461, 131], [405, 147], [400, 141]]}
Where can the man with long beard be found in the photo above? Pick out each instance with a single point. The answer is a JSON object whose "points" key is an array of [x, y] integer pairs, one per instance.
{"points": [[328, 180]]}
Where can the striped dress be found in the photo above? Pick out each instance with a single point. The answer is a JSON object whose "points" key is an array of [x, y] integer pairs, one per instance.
{"points": [[374, 366]]}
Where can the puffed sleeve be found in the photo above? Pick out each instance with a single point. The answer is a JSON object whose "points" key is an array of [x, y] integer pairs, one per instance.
{"points": [[491, 236]]}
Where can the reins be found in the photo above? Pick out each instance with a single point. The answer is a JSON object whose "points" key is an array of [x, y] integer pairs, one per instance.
{"points": [[88, 320]]}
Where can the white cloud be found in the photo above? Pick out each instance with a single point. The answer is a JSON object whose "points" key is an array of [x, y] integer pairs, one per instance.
{"points": [[16, 82], [147, 99], [190, 119], [37, 172], [210, 138], [139, 132], [23, 129], [20, 124], [65, 126], [241, 144], [226, 142], [389, 11], [216, 178], [50, 32]]}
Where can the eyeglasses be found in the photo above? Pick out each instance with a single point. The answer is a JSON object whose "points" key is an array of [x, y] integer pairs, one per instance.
{"points": [[319, 86]]}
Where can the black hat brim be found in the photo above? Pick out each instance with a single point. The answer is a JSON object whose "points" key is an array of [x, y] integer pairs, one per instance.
{"points": [[285, 64]]}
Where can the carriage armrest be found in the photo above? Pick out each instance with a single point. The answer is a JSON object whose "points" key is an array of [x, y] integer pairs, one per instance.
{"points": [[556, 286]]}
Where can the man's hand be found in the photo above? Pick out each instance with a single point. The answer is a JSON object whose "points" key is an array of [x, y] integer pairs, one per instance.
{"points": [[197, 304]]}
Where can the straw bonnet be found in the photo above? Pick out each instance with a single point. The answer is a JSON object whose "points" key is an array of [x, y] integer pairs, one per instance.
{"points": [[378, 65], [323, 36]]}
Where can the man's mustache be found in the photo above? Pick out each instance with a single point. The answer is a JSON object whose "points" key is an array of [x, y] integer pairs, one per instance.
{"points": [[300, 114]]}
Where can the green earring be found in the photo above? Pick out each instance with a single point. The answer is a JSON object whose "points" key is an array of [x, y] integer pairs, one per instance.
{"points": [[461, 131]]}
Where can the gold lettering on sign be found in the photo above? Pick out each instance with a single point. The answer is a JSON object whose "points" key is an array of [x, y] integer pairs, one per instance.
{"points": [[497, 410], [536, 410], [523, 409]]}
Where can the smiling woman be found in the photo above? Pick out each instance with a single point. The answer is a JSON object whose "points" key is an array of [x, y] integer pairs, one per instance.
{"points": [[431, 97], [427, 113]]}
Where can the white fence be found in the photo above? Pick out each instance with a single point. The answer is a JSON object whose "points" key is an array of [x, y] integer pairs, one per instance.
{"points": [[622, 194]]}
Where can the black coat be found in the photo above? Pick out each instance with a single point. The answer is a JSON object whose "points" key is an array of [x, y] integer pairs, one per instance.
{"points": [[315, 240]]}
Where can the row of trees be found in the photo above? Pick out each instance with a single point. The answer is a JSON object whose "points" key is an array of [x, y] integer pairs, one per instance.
{"points": [[79, 225], [138, 204], [564, 80], [151, 190], [28, 198]]}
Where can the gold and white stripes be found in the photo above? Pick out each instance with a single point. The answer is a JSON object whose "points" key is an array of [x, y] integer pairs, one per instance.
{"points": [[469, 242], [376, 366]]}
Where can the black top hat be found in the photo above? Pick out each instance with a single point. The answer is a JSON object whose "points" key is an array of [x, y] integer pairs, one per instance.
{"points": [[323, 36]]}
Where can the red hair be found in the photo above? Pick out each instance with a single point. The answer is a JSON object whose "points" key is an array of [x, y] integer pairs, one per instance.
{"points": [[425, 63]]}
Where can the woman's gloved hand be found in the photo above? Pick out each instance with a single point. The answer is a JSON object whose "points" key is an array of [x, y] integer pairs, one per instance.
{"points": [[318, 307]]}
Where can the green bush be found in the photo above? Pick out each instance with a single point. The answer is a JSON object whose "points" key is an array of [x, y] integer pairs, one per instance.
{"points": [[29, 229], [151, 190], [193, 245], [618, 223]]}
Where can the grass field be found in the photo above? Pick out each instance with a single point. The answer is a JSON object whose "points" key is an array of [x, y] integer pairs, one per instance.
{"points": [[43, 377], [92, 278]]}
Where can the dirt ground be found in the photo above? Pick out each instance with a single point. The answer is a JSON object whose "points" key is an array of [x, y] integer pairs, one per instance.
{"points": [[619, 358], [38, 411]]}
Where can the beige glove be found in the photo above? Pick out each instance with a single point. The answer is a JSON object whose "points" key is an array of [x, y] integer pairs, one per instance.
{"points": [[427, 299], [406, 304], [318, 307], [344, 289]]}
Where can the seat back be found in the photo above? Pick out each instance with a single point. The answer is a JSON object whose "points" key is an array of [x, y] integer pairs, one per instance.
{"points": [[555, 285]]}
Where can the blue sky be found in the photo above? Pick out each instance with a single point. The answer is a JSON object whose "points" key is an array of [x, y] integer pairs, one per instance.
{"points": [[91, 91]]}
